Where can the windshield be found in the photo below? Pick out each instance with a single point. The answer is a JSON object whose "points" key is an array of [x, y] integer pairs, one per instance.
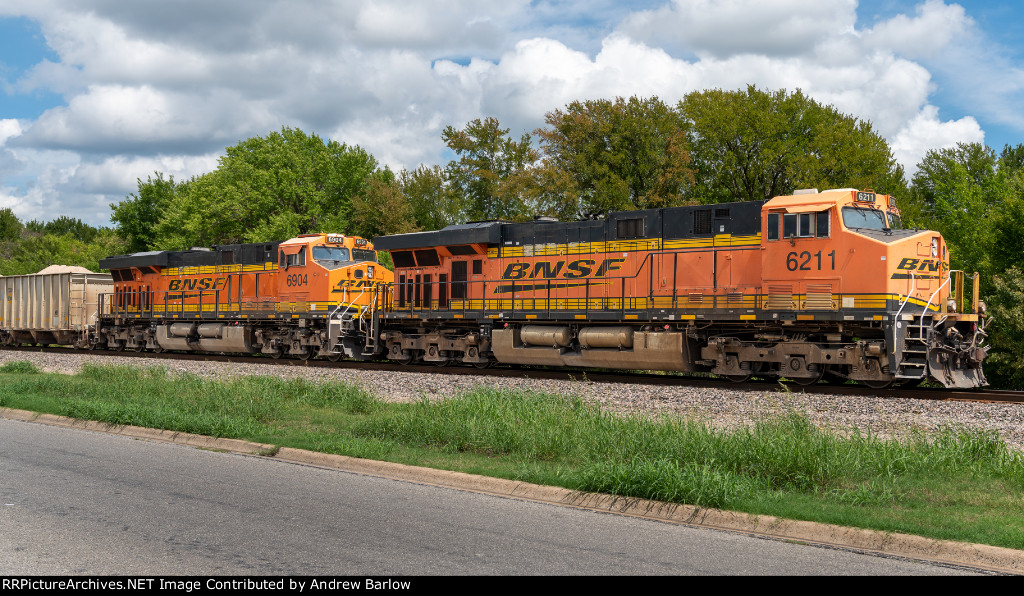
{"points": [[855, 217], [330, 253], [333, 257], [894, 222], [359, 254]]}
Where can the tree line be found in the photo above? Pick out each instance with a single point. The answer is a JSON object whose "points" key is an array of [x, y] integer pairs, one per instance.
{"points": [[591, 157]]}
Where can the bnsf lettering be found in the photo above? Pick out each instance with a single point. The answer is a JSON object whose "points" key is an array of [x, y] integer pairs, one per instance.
{"points": [[909, 264], [546, 271], [554, 270], [354, 284], [202, 283]]}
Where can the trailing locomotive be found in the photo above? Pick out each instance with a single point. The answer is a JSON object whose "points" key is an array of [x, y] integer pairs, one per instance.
{"points": [[314, 295], [803, 287]]}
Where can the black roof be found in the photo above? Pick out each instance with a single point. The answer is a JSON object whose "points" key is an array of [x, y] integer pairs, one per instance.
{"points": [[228, 254], [482, 232], [741, 218]]}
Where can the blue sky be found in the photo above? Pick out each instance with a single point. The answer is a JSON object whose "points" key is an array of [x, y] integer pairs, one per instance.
{"points": [[95, 94]]}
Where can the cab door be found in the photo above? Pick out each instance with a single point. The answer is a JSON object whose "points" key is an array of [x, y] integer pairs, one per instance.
{"points": [[800, 260], [294, 277]]}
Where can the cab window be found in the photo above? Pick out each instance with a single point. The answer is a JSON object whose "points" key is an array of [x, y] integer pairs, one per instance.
{"points": [[330, 253], [894, 221], [293, 260], [815, 224], [871, 219]]}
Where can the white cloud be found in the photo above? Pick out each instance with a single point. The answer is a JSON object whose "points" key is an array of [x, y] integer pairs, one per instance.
{"points": [[112, 174], [924, 35], [722, 28], [165, 87], [926, 132], [9, 128]]}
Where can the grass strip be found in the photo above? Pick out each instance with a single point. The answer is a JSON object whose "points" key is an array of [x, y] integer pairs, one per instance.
{"points": [[957, 484]]}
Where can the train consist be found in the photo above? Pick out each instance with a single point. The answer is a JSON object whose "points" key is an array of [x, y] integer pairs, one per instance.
{"points": [[809, 286]]}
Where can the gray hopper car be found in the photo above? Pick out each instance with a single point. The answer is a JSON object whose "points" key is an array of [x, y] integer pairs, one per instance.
{"points": [[50, 308]]}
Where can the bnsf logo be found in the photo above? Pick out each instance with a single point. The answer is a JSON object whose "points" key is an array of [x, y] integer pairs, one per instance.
{"points": [[202, 283], [909, 264], [563, 269]]}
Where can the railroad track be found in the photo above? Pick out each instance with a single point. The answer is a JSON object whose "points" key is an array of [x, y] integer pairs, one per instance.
{"points": [[926, 393]]}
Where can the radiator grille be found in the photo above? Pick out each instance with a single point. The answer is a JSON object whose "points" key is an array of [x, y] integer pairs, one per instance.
{"points": [[819, 296]]}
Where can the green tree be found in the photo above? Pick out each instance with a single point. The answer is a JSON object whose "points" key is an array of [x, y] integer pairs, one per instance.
{"points": [[381, 208], [268, 188], [549, 190], [64, 226], [1004, 366], [487, 157], [37, 251], [1011, 160], [959, 191], [137, 216], [755, 145], [436, 202], [619, 155], [976, 201], [1004, 292], [10, 225]]}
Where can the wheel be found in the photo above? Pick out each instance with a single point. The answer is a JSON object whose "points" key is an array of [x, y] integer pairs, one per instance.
{"points": [[140, 347], [335, 357], [306, 354], [483, 364], [832, 377], [119, 346], [805, 381], [739, 378], [878, 384], [276, 354]]}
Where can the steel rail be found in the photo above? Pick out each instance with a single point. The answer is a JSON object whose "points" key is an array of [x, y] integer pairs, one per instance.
{"points": [[590, 375]]}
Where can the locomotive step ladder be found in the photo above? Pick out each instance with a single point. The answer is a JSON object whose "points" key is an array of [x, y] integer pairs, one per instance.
{"points": [[914, 361]]}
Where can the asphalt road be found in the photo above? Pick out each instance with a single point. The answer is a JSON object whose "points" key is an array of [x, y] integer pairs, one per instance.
{"points": [[79, 502]]}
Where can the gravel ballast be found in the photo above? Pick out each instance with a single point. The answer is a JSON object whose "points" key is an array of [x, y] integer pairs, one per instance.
{"points": [[723, 408]]}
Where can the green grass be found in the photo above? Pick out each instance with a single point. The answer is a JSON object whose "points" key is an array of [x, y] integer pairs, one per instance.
{"points": [[958, 484]]}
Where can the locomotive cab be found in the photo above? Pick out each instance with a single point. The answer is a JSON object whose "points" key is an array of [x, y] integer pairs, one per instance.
{"points": [[342, 268], [842, 255]]}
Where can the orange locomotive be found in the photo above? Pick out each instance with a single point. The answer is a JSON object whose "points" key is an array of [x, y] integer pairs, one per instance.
{"points": [[803, 286], [317, 294]]}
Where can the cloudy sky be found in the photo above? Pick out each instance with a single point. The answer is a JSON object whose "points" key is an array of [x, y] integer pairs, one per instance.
{"points": [[95, 94]]}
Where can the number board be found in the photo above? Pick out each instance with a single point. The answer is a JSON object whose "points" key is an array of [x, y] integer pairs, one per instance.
{"points": [[336, 239], [867, 197]]}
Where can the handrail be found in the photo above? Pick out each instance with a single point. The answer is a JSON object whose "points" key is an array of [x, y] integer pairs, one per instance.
{"points": [[913, 286], [936, 292]]}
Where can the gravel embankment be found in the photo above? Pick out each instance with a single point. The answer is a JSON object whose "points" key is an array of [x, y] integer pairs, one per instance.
{"points": [[721, 407]]}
